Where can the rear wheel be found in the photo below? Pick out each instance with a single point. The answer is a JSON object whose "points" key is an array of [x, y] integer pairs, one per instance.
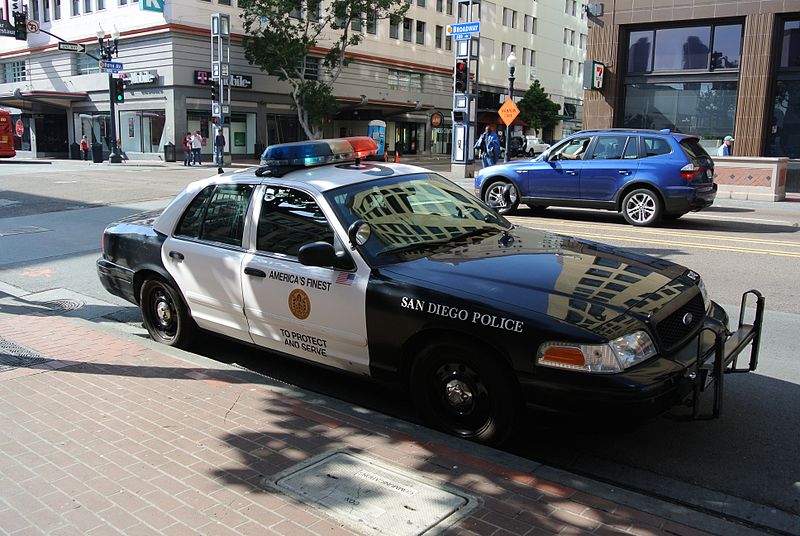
{"points": [[465, 394], [165, 315], [493, 196], [642, 208]]}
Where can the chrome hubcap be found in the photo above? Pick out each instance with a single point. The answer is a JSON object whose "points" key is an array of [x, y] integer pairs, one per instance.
{"points": [[641, 208], [458, 393]]}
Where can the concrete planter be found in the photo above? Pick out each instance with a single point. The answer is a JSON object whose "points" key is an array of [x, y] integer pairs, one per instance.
{"points": [[751, 178]]}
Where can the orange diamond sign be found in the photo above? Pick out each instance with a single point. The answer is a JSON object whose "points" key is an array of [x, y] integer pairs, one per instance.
{"points": [[508, 112]]}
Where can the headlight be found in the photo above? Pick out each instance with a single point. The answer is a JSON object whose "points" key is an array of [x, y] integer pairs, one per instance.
{"points": [[614, 356], [704, 294]]}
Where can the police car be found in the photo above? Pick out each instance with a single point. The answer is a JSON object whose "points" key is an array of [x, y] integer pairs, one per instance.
{"points": [[392, 272]]}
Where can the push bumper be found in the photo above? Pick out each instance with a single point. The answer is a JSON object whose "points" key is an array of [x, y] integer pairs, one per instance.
{"points": [[654, 387]]}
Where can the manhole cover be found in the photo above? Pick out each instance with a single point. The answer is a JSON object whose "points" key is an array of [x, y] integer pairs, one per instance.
{"points": [[15, 356], [62, 305], [373, 498]]}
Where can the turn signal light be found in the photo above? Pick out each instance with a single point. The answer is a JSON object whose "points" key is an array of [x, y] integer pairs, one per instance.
{"points": [[563, 356], [690, 172]]}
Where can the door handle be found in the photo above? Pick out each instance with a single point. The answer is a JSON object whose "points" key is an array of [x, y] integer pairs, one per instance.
{"points": [[624, 172], [571, 172], [255, 272], [177, 255]]}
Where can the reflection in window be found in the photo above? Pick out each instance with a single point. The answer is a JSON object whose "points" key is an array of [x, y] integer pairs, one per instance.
{"points": [[727, 46], [682, 48], [790, 45], [704, 108], [189, 224], [784, 131], [290, 219], [640, 52], [224, 218], [609, 147]]}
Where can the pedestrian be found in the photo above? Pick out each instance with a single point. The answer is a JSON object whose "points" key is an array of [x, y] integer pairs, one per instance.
{"points": [[488, 145], [187, 149], [197, 145], [85, 147], [219, 148], [726, 148]]}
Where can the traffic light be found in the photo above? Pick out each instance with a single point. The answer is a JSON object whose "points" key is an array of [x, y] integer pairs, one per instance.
{"points": [[214, 91], [20, 26], [118, 93], [462, 76]]}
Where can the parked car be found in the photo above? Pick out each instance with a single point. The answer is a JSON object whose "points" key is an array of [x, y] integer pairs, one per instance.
{"points": [[516, 147], [534, 146], [647, 175], [393, 273]]}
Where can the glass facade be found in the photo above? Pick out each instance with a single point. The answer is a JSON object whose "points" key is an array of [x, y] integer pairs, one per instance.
{"points": [[95, 125], [783, 135], [142, 131]]}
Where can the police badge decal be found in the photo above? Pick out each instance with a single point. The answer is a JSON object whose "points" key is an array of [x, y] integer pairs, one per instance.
{"points": [[299, 304]]}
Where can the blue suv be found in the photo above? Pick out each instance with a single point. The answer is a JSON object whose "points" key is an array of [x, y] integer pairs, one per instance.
{"points": [[647, 175]]}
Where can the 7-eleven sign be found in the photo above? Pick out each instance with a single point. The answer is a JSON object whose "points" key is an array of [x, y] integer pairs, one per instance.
{"points": [[598, 69]]}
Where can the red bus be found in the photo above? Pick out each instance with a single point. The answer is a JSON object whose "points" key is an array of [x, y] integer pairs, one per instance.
{"points": [[6, 135]]}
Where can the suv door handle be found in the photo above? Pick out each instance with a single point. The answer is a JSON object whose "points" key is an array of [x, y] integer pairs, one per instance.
{"points": [[177, 255], [255, 272], [625, 172], [571, 172]]}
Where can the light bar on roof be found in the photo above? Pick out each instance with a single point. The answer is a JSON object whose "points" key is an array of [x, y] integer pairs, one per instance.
{"points": [[318, 152]]}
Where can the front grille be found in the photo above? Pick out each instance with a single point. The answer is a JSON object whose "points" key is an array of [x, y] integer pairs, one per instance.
{"points": [[672, 330]]}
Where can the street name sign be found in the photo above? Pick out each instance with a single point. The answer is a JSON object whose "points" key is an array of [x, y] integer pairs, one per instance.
{"points": [[463, 31], [71, 47], [111, 66]]}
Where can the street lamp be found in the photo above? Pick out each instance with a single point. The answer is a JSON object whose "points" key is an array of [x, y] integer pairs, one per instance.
{"points": [[511, 61], [108, 50]]}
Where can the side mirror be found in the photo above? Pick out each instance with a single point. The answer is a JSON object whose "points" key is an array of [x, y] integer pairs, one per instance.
{"points": [[317, 254], [358, 233]]}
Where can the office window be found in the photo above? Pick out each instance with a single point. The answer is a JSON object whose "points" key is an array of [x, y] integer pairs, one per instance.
{"points": [[87, 6], [101, 4], [727, 46], [583, 40], [394, 28], [439, 5], [682, 48], [509, 17], [420, 32], [56, 9], [311, 71], [35, 10], [76, 8], [530, 24], [448, 42], [356, 24], [13, 71], [526, 56], [421, 3], [506, 49], [569, 37], [224, 2], [449, 7], [566, 67], [407, 23], [85, 64], [372, 23], [404, 80], [438, 37], [45, 10]]}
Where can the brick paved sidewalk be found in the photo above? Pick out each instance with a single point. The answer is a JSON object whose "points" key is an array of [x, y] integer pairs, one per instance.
{"points": [[113, 435]]}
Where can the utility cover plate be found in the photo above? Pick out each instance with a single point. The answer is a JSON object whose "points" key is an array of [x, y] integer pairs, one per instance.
{"points": [[373, 498]]}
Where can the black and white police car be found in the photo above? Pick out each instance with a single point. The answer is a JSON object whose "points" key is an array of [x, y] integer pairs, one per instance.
{"points": [[393, 272]]}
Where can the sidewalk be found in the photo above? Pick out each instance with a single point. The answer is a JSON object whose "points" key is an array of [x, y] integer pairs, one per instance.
{"points": [[105, 432]]}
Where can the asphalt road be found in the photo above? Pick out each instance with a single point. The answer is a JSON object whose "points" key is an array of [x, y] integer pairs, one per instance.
{"points": [[744, 464]]}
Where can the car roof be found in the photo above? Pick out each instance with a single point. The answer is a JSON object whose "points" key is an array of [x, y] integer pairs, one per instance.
{"points": [[665, 132]]}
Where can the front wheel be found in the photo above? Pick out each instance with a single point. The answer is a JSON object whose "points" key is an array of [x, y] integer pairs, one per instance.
{"points": [[642, 208], [493, 196], [165, 315], [464, 394]]}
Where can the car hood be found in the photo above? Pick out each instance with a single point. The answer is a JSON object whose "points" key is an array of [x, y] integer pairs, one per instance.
{"points": [[526, 270]]}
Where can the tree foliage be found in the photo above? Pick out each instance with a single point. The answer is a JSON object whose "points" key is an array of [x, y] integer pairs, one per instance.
{"points": [[291, 39], [537, 109]]}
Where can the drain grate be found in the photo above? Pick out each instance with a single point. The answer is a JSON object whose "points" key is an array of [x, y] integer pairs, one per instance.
{"points": [[14, 356], [62, 305], [374, 498]]}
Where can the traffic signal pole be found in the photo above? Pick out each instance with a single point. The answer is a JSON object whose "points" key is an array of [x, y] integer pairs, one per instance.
{"points": [[466, 36]]}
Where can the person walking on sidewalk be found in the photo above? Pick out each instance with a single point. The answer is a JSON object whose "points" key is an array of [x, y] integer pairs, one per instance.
{"points": [[187, 149], [219, 149], [725, 149], [489, 146], [85, 147], [197, 146]]}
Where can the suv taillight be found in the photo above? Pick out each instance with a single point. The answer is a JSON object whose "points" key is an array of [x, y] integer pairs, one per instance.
{"points": [[690, 172]]}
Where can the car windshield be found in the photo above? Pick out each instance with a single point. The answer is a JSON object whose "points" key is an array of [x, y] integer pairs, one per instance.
{"points": [[413, 215]]}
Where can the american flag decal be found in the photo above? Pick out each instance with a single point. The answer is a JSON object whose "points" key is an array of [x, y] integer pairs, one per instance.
{"points": [[345, 278]]}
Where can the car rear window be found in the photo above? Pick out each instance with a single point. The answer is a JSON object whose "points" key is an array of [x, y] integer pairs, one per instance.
{"points": [[693, 148], [656, 146]]}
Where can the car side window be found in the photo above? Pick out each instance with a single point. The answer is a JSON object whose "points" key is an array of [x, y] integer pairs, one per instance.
{"points": [[192, 218], [224, 218], [290, 219], [631, 149], [609, 147], [656, 146], [574, 149]]}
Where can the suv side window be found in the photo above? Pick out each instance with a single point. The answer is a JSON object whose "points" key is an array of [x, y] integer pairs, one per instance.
{"points": [[632, 149], [656, 146], [609, 147], [290, 219]]}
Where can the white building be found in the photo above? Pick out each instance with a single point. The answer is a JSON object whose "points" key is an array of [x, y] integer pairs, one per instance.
{"points": [[401, 73]]}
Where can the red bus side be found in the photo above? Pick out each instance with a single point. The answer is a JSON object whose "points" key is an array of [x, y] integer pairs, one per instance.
{"points": [[6, 136]]}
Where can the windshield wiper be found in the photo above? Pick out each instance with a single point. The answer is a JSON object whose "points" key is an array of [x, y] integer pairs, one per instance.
{"points": [[478, 231]]}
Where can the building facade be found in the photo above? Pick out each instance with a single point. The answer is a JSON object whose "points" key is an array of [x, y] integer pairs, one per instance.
{"points": [[712, 68], [401, 73]]}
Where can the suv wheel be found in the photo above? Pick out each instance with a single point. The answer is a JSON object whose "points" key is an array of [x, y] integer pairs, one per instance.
{"points": [[493, 196], [642, 208]]}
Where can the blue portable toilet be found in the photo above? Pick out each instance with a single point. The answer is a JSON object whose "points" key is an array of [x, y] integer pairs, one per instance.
{"points": [[377, 131]]}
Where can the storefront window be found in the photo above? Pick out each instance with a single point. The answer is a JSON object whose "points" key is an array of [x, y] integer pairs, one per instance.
{"points": [[790, 44], [678, 49], [727, 47], [682, 48], [142, 131], [707, 109], [96, 125]]}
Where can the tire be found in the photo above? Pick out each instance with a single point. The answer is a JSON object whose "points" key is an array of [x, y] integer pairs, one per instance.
{"points": [[165, 315], [642, 208], [465, 394], [493, 196]]}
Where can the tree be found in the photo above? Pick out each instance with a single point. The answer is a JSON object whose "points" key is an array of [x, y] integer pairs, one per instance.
{"points": [[293, 39], [537, 109]]}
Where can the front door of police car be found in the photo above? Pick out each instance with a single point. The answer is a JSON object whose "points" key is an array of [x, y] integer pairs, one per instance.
{"points": [[317, 313]]}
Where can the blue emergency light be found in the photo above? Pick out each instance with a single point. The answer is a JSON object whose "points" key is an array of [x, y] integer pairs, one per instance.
{"points": [[282, 157]]}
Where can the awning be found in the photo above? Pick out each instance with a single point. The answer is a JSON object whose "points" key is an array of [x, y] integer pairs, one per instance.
{"points": [[386, 107], [26, 100]]}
